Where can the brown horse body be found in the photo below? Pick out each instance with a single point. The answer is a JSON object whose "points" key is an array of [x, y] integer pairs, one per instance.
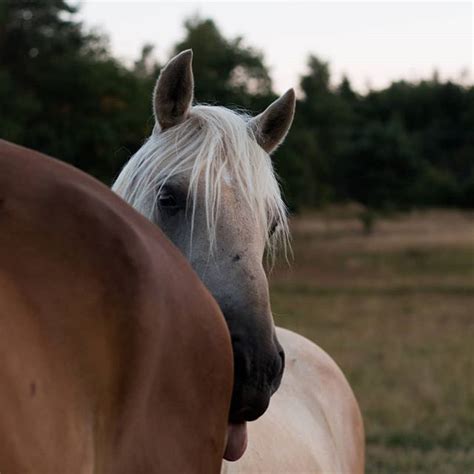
{"points": [[114, 358]]}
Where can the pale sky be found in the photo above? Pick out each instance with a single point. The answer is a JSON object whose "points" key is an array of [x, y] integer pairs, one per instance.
{"points": [[372, 42]]}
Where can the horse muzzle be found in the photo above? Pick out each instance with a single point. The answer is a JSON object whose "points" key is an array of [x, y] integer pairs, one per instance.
{"points": [[254, 384]]}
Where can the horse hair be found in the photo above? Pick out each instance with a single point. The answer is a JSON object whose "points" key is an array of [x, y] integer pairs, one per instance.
{"points": [[213, 145]]}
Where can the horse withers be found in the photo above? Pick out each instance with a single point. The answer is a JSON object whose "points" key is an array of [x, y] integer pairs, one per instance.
{"points": [[114, 358]]}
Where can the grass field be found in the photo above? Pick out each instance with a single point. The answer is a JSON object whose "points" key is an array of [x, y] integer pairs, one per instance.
{"points": [[396, 311]]}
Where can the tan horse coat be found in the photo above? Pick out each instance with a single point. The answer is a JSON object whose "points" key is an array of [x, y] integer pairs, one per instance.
{"points": [[114, 358], [313, 424]]}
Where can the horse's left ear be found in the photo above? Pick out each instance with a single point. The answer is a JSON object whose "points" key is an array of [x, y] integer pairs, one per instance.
{"points": [[174, 91], [272, 125]]}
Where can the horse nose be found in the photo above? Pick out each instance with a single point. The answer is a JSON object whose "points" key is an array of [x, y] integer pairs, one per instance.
{"points": [[256, 407], [268, 374], [252, 402]]}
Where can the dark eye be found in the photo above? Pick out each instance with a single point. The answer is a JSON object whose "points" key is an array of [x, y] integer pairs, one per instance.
{"points": [[167, 200], [170, 201]]}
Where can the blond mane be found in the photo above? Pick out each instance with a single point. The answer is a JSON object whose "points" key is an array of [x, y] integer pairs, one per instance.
{"points": [[212, 145]]}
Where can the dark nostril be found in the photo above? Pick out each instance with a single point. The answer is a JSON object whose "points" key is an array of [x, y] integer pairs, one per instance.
{"points": [[281, 354]]}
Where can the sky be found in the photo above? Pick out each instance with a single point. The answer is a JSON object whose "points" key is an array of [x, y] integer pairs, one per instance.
{"points": [[372, 42]]}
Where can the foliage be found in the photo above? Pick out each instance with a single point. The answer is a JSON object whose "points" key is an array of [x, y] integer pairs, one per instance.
{"points": [[379, 167], [228, 72], [63, 93]]}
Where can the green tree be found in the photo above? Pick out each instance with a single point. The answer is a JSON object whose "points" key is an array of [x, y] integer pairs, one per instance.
{"points": [[32, 36], [327, 117], [227, 71], [62, 93], [380, 170]]}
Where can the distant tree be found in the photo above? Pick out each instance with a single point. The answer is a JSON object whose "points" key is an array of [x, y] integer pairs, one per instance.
{"points": [[226, 71], [327, 118], [146, 66], [439, 119], [317, 81], [32, 35], [297, 162], [345, 91], [62, 93], [381, 169]]}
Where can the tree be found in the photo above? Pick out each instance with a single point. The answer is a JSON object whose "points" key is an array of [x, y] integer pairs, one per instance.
{"points": [[32, 36], [381, 169], [62, 93], [327, 119], [227, 72]]}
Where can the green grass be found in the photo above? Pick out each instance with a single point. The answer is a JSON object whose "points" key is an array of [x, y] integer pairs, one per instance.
{"points": [[397, 314]]}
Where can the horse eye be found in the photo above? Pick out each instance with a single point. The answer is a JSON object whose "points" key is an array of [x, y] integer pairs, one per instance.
{"points": [[167, 200], [171, 200]]}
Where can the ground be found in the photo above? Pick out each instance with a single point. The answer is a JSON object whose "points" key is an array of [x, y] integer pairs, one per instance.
{"points": [[395, 309]]}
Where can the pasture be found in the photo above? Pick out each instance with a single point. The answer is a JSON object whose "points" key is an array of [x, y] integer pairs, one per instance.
{"points": [[395, 309]]}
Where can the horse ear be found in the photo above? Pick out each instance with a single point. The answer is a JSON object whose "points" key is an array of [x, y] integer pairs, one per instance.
{"points": [[173, 93], [272, 125]]}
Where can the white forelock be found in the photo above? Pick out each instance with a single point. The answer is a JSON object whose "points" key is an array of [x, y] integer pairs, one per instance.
{"points": [[214, 145]]}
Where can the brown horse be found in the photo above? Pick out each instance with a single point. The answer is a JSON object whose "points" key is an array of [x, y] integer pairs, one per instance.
{"points": [[114, 358]]}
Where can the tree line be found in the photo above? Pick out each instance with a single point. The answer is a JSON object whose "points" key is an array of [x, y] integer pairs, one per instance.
{"points": [[62, 92]]}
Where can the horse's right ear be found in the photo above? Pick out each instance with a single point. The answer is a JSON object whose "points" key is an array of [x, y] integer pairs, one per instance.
{"points": [[173, 94]]}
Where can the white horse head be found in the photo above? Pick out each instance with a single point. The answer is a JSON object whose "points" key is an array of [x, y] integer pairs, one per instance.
{"points": [[206, 179]]}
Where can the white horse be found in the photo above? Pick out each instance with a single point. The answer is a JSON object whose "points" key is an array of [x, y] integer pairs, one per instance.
{"points": [[206, 178]]}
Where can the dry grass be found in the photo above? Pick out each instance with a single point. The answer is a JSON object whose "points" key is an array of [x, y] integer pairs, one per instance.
{"points": [[396, 311]]}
